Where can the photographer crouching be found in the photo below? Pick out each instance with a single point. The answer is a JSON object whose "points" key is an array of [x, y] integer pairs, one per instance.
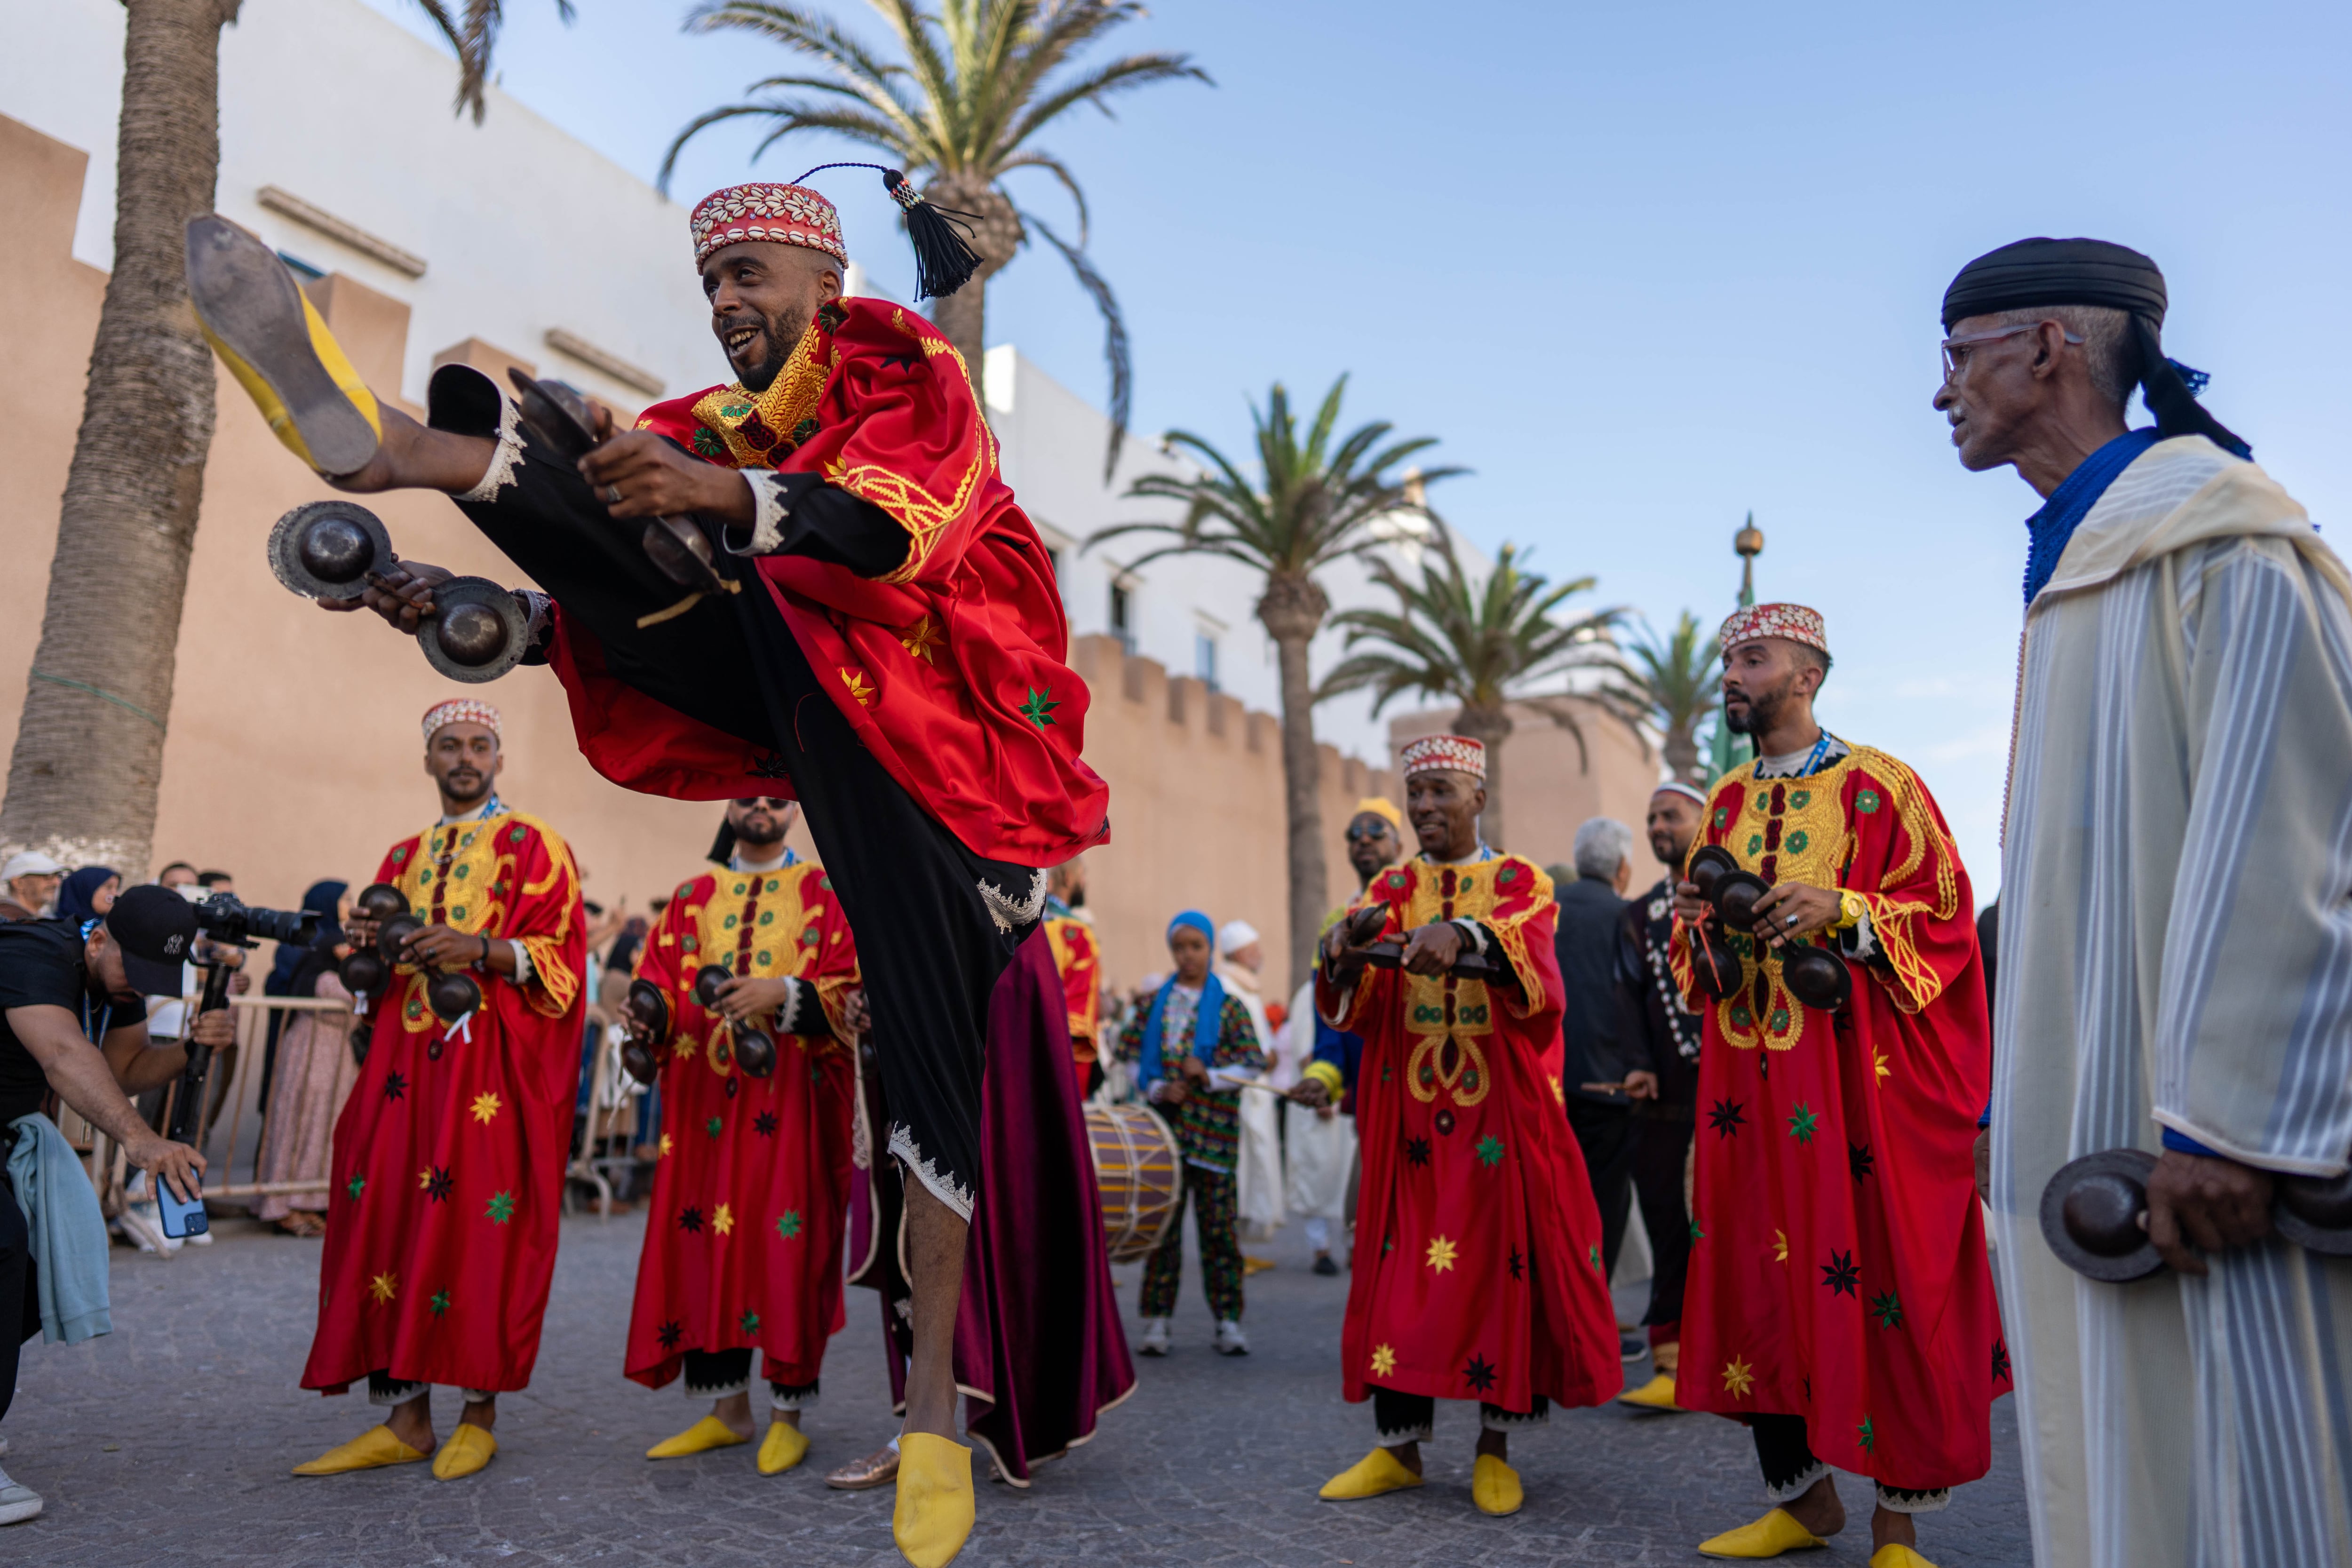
{"points": [[73, 1019]]}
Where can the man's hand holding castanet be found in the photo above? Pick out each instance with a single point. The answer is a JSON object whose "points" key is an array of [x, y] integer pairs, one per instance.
{"points": [[856, 1013], [402, 594], [638, 474], [1792, 910], [444, 947], [2213, 1204], [1689, 908], [1345, 944], [746, 997], [1432, 949]]}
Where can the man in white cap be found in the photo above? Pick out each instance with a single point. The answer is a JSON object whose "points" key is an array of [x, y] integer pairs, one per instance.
{"points": [[31, 880], [1257, 1201]]}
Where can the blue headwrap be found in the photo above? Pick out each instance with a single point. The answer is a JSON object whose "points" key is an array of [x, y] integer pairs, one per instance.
{"points": [[75, 893], [1204, 1021]]}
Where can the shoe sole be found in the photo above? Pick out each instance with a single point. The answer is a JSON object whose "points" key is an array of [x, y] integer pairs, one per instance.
{"points": [[18, 1512], [252, 304], [881, 1480]]}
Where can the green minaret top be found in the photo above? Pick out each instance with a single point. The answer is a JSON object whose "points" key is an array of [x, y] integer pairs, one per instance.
{"points": [[1730, 751]]}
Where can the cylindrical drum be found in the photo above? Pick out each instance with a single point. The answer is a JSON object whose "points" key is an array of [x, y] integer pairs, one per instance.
{"points": [[1136, 1169]]}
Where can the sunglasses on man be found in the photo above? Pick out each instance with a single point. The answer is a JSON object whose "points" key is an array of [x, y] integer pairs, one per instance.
{"points": [[1364, 833], [772, 802]]}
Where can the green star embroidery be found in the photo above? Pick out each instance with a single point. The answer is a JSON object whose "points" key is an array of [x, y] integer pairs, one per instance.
{"points": [[355, 1186], [1489, 1151], [1697, 1234], [1039, 709], [1868, 1439], [1866, 802], [749, 1323], [1388, 1245], [1887, 1309], [501, 1209], [1802, 1125], [1797, 842], [711, 1126], [439, 1305], [790, 1226], [1800, 799], [1592, 1255], [706, 445]]}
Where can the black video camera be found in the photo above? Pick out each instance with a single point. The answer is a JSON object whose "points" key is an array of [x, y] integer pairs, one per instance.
{"points": [[233, 923]]}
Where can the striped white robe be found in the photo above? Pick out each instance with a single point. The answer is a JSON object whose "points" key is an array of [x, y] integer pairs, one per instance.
{"points": [[2176, 951]]}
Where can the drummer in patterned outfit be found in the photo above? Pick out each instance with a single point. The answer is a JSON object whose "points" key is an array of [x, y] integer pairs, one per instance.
{"points": [[743, 1247], [1485, 1281]]}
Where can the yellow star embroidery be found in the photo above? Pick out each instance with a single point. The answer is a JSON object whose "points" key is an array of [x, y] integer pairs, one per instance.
{"points": [[1878, 1060], [1780, 1246], [384, 1286], [921, 638], [684, 1047], [1383, 1360], [1442, 1254], [724, 1220], [1738, 1377], [425, 1177], [665, 1146], [485, 1108], [858, 690]]}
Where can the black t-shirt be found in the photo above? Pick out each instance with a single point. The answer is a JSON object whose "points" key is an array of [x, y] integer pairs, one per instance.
{"points": [[40, 966]]}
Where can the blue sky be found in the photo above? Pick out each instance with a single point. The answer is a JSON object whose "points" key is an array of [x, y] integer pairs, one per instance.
{"points": [[1644, 269]]}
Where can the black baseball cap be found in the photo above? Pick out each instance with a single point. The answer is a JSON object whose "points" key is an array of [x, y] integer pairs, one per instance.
{"points": [[156, 930]]}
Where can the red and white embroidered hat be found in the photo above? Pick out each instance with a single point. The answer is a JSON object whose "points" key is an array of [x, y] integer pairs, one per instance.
{"points": [[1444, 753], [1794, 622], [783, 215], [460, 710]]}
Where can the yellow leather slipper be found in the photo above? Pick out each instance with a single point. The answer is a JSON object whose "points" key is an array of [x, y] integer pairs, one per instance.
{"points": [[276, 345], [699, 1438], [785, 1446], [469, 1448], [1494, 1487], [1892, 1555], [1658, 1394], [932, 1518], [1377, 1472], [1776, 1532], [370, 1450]]}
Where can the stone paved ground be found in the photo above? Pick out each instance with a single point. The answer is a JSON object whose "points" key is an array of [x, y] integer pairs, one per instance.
{"points": [[168, 1443]]}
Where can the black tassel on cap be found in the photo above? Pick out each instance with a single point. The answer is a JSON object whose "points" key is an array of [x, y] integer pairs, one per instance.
{"points": [[722, 848], [944, 259]]}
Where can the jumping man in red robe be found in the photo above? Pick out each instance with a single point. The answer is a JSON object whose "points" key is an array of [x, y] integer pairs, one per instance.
{"points": [[743, 1236], [1839, 1300], [448, 1157], [1477, 1257]]}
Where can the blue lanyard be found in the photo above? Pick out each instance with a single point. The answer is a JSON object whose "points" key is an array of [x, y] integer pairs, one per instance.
{"points": [[1813, 762]]}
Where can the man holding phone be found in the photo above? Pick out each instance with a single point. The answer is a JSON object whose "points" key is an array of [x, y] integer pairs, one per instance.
{"points": [[73, 1017]]}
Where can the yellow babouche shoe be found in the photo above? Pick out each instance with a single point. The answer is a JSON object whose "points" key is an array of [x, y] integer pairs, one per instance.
{"points": [[469, 1448], [1658, 1394], [276, 345], [1494, 1487], [1377, 1472], [1892, 1555], [370, 1450], [932, 1518], [785, 1446], [1776, 1532], [699, 1438]]}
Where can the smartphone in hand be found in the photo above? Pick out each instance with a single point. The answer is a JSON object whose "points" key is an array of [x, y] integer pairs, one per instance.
{"points": [[182, 1219]]}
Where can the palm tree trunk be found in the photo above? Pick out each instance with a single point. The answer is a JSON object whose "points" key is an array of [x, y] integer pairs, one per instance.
{"points": [[89, 758], [1292, 609], [996, 234], [1492, 725], [1681, 754]]}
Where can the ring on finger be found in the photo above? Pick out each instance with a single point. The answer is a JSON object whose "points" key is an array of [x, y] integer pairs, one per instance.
{"points": [[1792, 919], [613, 494]]}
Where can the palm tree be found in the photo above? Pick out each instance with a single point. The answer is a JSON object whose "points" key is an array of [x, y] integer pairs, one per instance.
{"points": [[1312, 503], [958, 114], [1674, 682], [1479, 644], [88, 757]]}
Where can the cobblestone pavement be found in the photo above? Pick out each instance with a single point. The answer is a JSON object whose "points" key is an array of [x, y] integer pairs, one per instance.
{"points": [[168, 1443]]}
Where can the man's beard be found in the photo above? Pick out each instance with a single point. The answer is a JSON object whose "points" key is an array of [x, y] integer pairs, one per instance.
{"points": [[465, 784], [1763, 711], [782, 336], [745, 833], [1667, 851]]}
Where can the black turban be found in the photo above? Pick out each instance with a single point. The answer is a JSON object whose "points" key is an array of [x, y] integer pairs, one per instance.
{"points": [[2039, 272]]}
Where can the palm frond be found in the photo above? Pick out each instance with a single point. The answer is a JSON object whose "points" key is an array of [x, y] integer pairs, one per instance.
{"points": [[1115, 350], [474, 35]]}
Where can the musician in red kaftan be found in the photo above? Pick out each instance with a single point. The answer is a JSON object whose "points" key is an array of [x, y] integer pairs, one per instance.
{"points": [[1839, 1300], [743, 1234], [1477, 1264], [1077, 958], [448, 1158]]}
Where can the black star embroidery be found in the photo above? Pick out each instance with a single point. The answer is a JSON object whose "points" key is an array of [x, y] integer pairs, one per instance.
{"points": [[1479, 1374], [1840, 1273], [690, 1219], [437, 1184], [771, 765], [1416, 1150], [764, 1124], [2000, 1360], [1726, 1119], [394, 1086], [670, 1334], [904, 362], [1859, 1159], [1518, 1265]]}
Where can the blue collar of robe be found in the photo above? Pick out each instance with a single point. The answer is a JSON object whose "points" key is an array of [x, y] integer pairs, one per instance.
{"points": [[2071, 502], [1204, 1027]]}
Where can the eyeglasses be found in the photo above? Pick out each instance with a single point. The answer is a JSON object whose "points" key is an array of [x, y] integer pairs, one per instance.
{"points": [[772, 802], [1366, 835], [1955, 350]]}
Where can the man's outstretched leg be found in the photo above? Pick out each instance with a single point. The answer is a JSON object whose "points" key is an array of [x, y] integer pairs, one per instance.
{"points": [[934, 1512]]}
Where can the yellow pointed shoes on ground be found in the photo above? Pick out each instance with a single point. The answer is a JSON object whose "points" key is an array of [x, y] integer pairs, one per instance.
{"points": [[699, 1438], [1892, 1556], [785, 1446], [469, 1449], [372, 1449], [1494, 1487], [934, 1512], [1658, 1394], [276, 345], [1377, 1472], [1776, 1532]]}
